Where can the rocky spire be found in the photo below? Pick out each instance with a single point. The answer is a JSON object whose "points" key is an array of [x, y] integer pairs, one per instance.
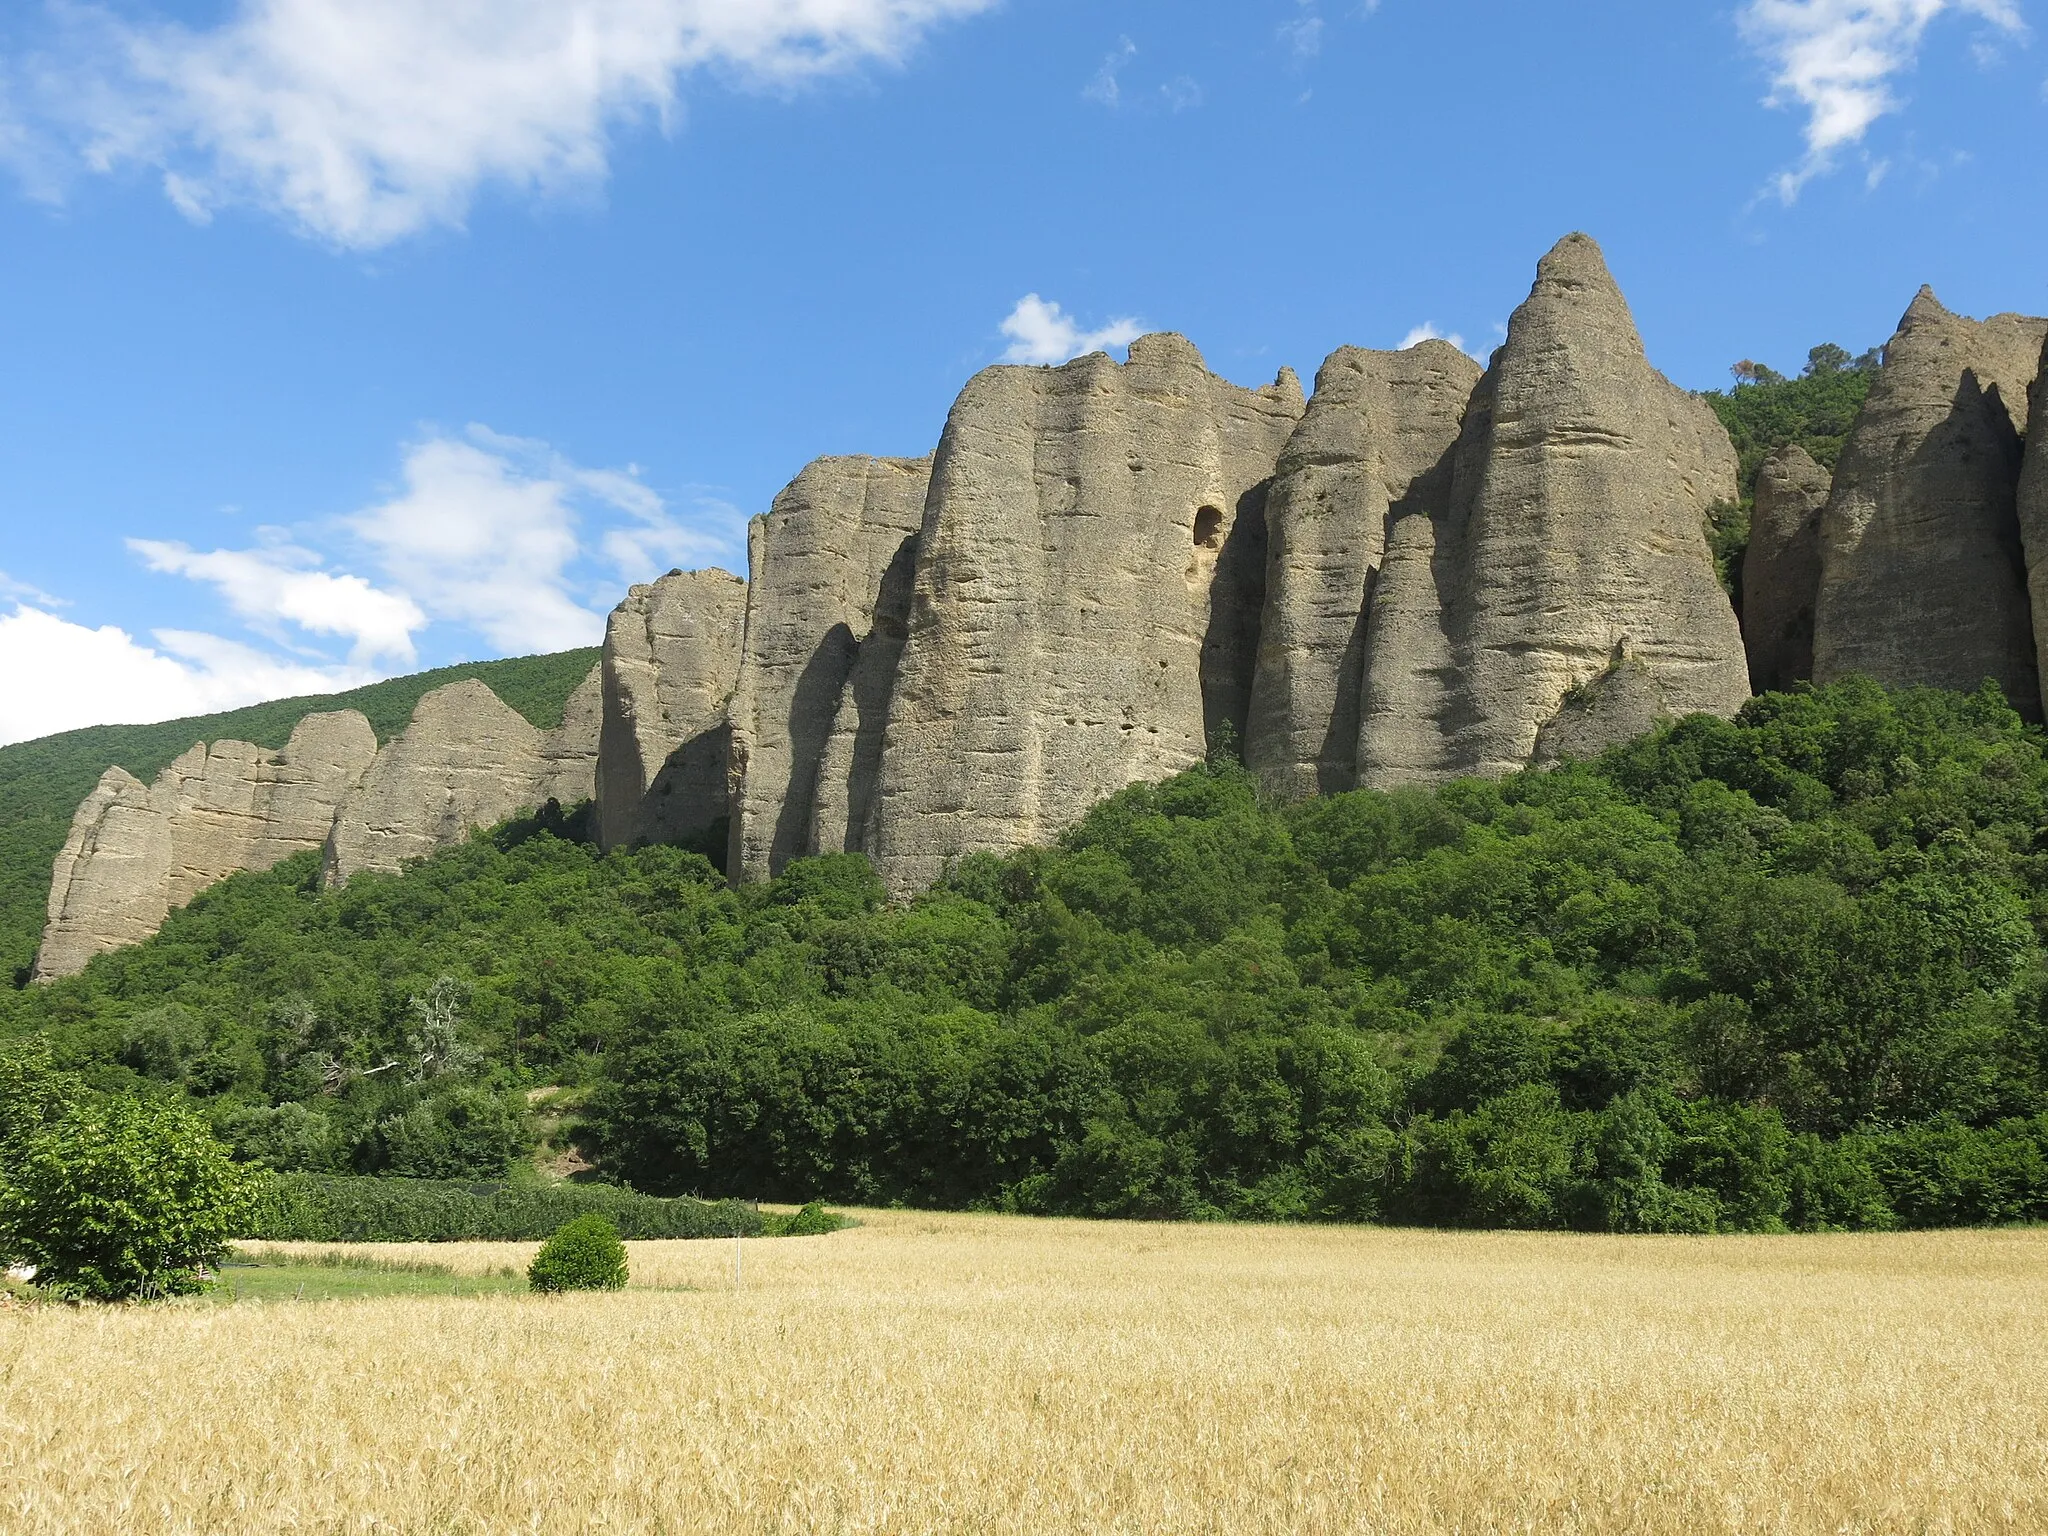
{"points": [[1923, 581], [1087, 596], [1571, 560], [1781, 569], [1374, 446]]}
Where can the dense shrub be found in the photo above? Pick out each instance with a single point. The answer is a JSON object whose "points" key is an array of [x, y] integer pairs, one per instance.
{"points": [[313, 1208], [118, 1198], [583, 1255], [811, 1220]]}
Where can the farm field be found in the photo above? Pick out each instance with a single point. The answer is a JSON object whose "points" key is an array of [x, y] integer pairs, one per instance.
{"points": [[966, 1373]]}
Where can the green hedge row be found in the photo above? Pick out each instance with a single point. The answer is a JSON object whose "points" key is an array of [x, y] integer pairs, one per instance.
{"points": [[311, 1207]]}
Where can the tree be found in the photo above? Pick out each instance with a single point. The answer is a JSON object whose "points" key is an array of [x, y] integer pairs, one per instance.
{"points": [[585, 1254], [120, 1198]]}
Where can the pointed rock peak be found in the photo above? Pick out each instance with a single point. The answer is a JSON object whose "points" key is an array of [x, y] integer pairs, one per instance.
{"points": [[1575, 262], [1165, 349], [1925, 307], [1286, 386]]}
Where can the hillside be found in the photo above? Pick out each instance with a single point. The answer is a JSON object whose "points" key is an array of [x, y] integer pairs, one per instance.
{"points": [[1781, 971], [42, 781]]}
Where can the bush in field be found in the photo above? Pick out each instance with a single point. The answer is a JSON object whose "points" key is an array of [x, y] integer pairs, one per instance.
{"points": [[585, 1255], [812, 1221], [120, 1198]]}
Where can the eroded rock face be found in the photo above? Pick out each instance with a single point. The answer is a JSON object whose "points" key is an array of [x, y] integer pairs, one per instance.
{"points": [[1374, 445], [2032, 503], [671, 661], [1574, 533], [135, 854], [568, 753], [466, 760], [807, 715], [1086, 599], [1781, 569], [1923, 579]]}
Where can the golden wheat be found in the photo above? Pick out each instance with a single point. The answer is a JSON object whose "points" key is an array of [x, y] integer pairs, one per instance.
{"points": [[928, 1373]]}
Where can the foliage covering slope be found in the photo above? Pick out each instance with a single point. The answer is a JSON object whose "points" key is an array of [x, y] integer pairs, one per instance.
{"points": [[42, 781], [1786, 970]]}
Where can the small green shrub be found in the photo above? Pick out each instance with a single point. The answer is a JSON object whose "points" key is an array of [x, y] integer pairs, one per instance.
{"points": [[120, 1198], [812, 1221], [585, 1255]]}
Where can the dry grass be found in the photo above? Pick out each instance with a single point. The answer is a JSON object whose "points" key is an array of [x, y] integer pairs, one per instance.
{"points": [[927, 1373]]}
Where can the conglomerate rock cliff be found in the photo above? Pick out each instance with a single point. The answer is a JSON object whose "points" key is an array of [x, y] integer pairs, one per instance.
{"points": [[1571, 560], [1107, 570], [2032, 505], [1085, 608], [832, 562], [1781, 568], [671, 661], [1373, 446], [1923, 579], [135, 853]]}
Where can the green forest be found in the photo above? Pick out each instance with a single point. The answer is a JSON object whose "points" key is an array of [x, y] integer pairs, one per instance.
{"points": [[1784, 971]]}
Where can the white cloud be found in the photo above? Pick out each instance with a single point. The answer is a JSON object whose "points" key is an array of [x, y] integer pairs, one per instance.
{"points": [[281, 583], [1041, 332], [1303, 36], [1103, 86], [24, 592], [1837, 59], [364, 121], [62, 675]]}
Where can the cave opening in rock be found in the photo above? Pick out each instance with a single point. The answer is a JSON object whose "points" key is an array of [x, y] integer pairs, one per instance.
{"points": [[1208, 528]]}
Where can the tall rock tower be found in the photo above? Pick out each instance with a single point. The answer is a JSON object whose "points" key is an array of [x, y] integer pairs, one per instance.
{"points": [[1566, 598], [1923, 581], [1087, 596]]}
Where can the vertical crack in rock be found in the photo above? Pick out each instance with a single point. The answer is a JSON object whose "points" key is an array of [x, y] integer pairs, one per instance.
{"points": [[1781, 569], [1374, 446], [1570, 569], [1923, 580], [820, 558], [1065, 634], [671, 662]]}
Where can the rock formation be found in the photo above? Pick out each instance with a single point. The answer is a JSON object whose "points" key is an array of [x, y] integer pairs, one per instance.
{"points": [[568, 753], [832, 562], [2032, 504], [671, 660], [1923, 580], [1781, 569], [1106, 569], [1571, 559], [466, 760], [1373, 446], [1085, 606], [136, 853]]}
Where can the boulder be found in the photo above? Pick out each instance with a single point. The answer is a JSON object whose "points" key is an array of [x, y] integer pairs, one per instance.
{"points": [[1575, 526], [1374, 445], [821, 556], [466, 760], [1781, 569], [1086, 601], [1923, 578], [671, 660]]}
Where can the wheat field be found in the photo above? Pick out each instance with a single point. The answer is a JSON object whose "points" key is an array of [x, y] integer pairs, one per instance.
{"points": [[979, 1373]]}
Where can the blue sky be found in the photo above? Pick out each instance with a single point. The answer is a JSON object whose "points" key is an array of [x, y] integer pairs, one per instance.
{"points": [[341, 338]]}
